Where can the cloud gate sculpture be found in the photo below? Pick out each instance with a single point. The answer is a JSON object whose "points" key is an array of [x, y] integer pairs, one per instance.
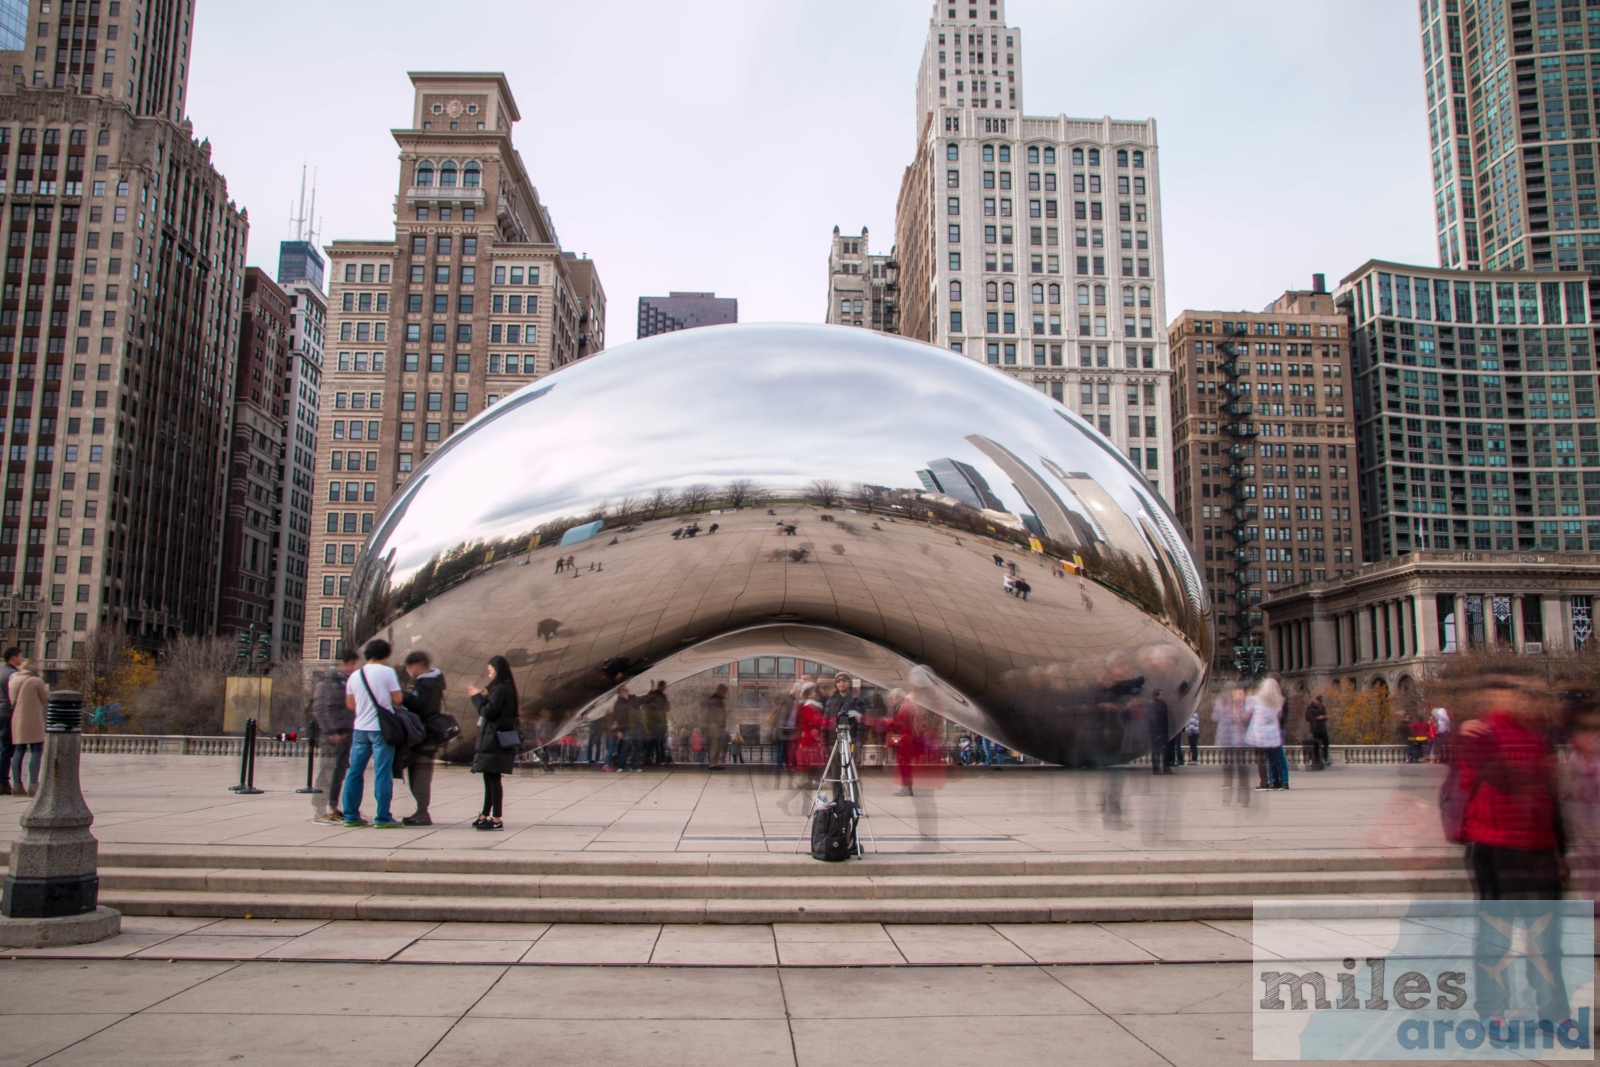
{"points": [[808, 491]]}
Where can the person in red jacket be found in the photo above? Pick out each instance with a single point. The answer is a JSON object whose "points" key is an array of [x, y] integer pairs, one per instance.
{"points": [[1513, 824]]}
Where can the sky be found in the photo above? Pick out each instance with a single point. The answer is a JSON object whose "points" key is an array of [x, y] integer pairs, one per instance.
{"points": [[714, 145]]}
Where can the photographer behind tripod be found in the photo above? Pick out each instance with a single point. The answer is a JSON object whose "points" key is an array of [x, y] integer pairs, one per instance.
{"points": [[844, 703], [833, 819]]}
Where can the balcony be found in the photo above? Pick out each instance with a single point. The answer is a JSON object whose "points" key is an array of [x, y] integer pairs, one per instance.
{"points": [[446, 195]]}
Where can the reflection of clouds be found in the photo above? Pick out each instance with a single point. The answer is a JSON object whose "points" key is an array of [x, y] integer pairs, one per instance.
{"points": [[715, 404]]}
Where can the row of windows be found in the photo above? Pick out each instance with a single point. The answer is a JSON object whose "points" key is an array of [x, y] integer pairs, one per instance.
{"points": [[435, 401], [471, 174], [1047, 154], [444, 245]]}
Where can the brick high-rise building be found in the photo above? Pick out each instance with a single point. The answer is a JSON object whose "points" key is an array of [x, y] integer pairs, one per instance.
{"points": [[118, 327], [1033, 243], [469, 301], [863, 289], [1264, 445], [252, 562], [684, 311]]}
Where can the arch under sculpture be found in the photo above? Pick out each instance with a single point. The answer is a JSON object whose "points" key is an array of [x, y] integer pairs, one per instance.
{"points": [[871, 497]]}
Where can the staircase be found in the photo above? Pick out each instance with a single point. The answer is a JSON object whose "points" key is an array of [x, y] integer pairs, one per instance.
{"points": [[475, 886]]}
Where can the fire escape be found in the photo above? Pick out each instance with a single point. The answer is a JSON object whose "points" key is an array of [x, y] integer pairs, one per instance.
{"points": [[1249, 657]]}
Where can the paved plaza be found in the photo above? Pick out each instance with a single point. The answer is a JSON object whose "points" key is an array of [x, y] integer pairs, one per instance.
{"points": [[178, 991], [173, 1014], [184, 800]]}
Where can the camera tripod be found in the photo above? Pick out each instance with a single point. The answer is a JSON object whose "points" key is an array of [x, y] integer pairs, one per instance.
{"points": [[839, 771]]}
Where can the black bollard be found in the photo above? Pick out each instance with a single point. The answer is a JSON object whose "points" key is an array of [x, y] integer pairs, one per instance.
{"points": [[311, 758], [247, 761]]}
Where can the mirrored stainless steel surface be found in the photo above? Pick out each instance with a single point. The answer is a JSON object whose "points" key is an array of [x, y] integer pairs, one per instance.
{"points": [[813, 491]]}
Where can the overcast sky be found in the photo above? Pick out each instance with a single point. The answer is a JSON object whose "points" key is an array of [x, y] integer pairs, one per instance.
{"points": [[714, 145]]}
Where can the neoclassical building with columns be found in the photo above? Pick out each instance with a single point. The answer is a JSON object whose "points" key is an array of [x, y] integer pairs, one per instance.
{"points": [[1387, 620]]}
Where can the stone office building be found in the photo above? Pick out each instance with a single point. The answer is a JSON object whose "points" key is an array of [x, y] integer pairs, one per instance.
{"points": [[1032, 243], [1263, 446], [471, 300], [863, 288], [1394, 618]]}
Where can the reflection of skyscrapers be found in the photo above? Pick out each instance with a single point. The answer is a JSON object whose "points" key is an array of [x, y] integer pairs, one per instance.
{"points": [[954, 478], [1052, 517]]}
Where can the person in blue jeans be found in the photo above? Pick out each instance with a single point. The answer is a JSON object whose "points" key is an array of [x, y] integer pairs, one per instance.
{"points": [[374, 685]]}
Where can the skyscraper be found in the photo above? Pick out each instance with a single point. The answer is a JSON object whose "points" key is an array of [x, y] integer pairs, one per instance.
{"points": [[1512, 140], [863, 289], [300, 273], [118, 331], [1033, 244], [684, 311], [471, 299]]}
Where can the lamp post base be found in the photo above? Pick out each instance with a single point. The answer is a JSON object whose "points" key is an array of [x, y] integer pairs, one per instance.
{"points": [[82, 929]]}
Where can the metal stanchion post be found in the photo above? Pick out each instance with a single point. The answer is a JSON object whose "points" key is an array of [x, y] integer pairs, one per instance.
{"points": [[247, 761], [311, 759]]}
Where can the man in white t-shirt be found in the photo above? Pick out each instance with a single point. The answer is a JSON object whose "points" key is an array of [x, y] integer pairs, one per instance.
{"points": [[375, 685]]}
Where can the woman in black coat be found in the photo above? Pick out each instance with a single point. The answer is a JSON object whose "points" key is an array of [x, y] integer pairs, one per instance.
{"points": [[497, 712]]}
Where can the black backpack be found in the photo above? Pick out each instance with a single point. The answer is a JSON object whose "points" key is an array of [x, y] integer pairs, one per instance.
{"points": [[833, 831]]}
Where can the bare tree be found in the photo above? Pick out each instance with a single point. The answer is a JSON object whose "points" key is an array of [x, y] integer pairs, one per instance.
{"points": [[191, 681], [742, 491], [660, 500], [626, 510], [694, 497], [870, 495], [825, 491]]}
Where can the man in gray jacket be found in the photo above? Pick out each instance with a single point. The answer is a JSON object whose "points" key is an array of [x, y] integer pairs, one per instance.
{"points": [[334, 723], [13, 658]]}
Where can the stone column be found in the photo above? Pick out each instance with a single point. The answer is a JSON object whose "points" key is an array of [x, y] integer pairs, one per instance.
{"points": [[1427, 625], [52, 890], [1557, 614], [1516, 621]]}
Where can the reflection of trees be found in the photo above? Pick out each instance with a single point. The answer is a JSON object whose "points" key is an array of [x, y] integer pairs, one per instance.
{"points": [[824, 491], [742, 491], [694, 497]]}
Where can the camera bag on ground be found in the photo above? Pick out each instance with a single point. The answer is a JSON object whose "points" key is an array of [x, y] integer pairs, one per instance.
{"points": [[833, 831]]}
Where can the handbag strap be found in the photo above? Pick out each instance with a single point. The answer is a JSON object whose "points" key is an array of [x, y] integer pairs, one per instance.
{"points": [[375, 705]]}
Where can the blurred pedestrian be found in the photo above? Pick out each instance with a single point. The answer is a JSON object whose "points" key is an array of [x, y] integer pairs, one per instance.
{"points": [[13, 657], [1265, 732], [28, 695], [1316, 714], [1157, 718], [1231, 717], [497, 719], [1191, 732], [426, 701], [1441, 735], [715, 711], [335, 721]]}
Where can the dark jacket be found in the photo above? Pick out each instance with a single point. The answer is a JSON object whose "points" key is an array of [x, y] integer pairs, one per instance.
{"points": [[426, 700], [655, 708], [1158, 717], [327, 703], [497, 711], [716, 709]]}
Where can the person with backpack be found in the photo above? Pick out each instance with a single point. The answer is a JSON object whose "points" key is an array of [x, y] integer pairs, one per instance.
{"points": [[372, 692], [334, 722], [1316, 714], [498, 739], [426, 701]]}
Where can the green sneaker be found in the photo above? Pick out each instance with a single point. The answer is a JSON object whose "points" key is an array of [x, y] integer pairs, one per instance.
{"points": [[357, 821], [389, 824]]}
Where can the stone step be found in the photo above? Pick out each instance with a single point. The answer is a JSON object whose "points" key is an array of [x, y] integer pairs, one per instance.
{"points": [[764, 865], [855, 884], [570, 910]]}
